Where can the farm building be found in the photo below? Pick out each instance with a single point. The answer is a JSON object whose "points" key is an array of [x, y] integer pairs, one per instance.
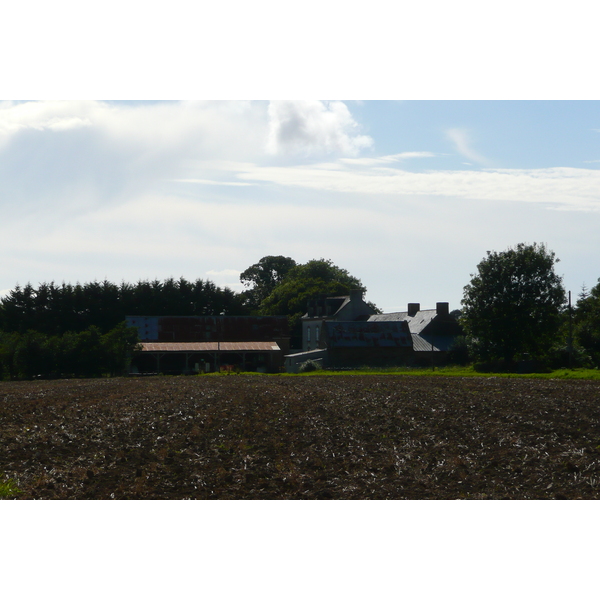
{"points": [[356, 343], [209, 343], [433, 330], [344, 331]]}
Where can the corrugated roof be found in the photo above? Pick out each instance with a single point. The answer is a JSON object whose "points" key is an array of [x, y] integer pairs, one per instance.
{"points": [[210, 347], [441, 343]]}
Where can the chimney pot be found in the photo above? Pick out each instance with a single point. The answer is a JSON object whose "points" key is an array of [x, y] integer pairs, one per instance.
{"points": [[413, 308], [442, 308]]}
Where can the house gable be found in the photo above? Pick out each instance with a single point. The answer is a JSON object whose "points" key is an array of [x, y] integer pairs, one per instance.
{"points": [[332, 308]]}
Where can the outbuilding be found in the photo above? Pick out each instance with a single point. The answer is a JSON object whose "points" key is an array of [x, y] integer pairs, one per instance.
{"points": [[210, 343]]}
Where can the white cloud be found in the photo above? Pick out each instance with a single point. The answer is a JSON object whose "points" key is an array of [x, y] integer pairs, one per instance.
{"points": [[57, 116], [313, 128], [386, 160], [210, 182], [462, 141], [574, 189], [89, 153], [384, 240]]}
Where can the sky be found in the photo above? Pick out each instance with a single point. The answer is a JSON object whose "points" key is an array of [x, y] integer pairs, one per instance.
{"points": [[408, 195]]}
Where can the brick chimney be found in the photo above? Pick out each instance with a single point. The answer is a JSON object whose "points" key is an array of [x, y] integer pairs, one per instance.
{"points": [[442, 309], [356, 295], [413, 308]]}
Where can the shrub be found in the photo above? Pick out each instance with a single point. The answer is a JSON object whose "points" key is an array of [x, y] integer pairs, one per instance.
{"points": [[308, 366]]}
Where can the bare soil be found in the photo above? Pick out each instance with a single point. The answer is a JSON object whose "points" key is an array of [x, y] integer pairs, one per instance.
{"points": [[342, 437]]}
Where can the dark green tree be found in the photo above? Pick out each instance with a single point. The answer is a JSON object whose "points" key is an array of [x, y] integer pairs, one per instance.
{"points": [[587, 322], [56, 310], [118, 347], [32, 358], [305, 282], [263, 277], [512, 305], [8, 347]]}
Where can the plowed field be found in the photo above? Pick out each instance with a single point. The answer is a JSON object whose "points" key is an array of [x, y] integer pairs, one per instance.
{"points": [[342, 437]]}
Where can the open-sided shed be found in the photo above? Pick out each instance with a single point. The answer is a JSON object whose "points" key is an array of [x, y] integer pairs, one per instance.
{"points": [[209, 343]]}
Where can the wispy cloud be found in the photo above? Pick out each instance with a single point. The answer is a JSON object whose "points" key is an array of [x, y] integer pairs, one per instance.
{"points": [[386, 160], [54, 116], [211, 182], [462, 141], [313, 128], [574, 189]]}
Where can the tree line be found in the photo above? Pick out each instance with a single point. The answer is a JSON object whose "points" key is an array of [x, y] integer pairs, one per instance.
{"points": [[79, 330], [87, 353], [56, 309], [276, 285], [513, 309]]}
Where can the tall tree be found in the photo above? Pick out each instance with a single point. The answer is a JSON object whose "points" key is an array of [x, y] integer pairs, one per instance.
{"points": [[305, 282], [263, 277], [513, 303]]}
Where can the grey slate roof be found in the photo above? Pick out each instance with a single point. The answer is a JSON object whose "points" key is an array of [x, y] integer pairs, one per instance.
{"points": [[416, 324]]}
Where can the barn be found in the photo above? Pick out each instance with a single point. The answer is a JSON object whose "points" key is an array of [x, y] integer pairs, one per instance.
{"points": [[210, 343]]}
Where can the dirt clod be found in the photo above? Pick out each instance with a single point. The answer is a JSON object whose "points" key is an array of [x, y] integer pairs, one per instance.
{"points": [[242, 437]]}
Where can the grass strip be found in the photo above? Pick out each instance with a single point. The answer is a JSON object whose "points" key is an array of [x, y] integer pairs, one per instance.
{"points": [[591, 374]]}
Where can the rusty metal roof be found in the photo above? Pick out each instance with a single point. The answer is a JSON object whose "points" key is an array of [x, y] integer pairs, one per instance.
{"points": [[210, 347]]}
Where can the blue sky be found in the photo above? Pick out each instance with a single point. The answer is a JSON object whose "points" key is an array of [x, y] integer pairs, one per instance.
{"points": [[406, 195], [516, 134]]}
